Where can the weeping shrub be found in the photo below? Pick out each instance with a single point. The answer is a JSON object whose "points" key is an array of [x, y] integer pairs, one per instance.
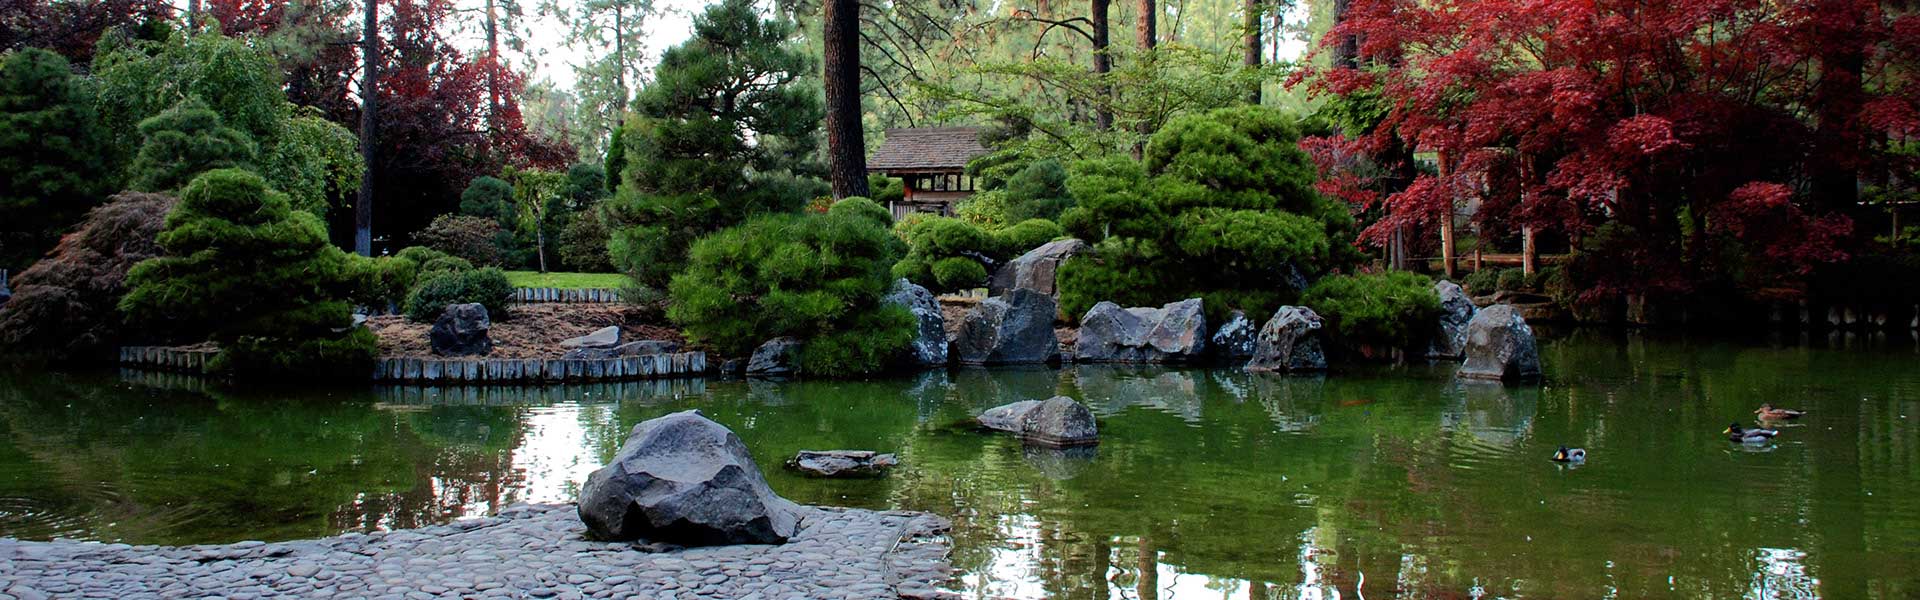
{"points": [[1395, 309], [258, 277], [63, 307], [817, 277]]}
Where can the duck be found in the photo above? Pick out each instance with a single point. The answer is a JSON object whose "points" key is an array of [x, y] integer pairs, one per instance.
{"points": [[1570, 455], [1748, 436], [1768, 413]]}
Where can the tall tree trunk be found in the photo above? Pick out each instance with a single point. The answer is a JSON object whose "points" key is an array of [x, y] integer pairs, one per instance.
{"points": [[193, 16], [1146, 34], [846, 141], [493, 71], [1253, 18], [620, 58], [369, 127], [1102, 64], [1346, 54]]}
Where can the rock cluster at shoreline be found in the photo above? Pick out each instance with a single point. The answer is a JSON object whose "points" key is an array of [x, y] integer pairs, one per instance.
{"points": [[528, 551]]}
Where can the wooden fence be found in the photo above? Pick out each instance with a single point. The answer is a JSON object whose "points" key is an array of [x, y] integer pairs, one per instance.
{"points": [[528, 295], [436, 371]]}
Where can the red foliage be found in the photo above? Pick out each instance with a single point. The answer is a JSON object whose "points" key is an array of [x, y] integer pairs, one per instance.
{"points": [[1567, 114]]}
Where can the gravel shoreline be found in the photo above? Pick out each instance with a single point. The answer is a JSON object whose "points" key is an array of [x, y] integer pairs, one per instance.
{"points": [[527, 551]]}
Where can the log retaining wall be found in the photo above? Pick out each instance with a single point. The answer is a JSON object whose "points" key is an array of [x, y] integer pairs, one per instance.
{"points": [[527, 295], [455, 371]]}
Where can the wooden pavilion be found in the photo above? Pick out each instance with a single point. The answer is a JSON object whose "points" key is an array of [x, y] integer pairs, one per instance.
{"points": [[932, 162]]}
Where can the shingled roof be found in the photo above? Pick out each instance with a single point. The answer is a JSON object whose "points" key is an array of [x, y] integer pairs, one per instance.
{"points": [[926, 148]]}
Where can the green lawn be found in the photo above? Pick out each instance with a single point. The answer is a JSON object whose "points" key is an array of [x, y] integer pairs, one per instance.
{"points": [[567, 281]]}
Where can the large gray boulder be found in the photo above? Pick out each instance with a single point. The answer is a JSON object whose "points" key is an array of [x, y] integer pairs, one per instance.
{"points": [[842, 463], [1236, 338], [1015, 328], [1176, 332], [1035, 270], [778, 357], [1057, 421], [604, 337], [1450, 333], [684, 479], [639, 348], [930, 341], [1289, 343], [462, 330], [1500, 345]]}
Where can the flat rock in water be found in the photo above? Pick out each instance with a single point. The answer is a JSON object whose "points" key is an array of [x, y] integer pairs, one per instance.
{"points": [[930, 341], [842, 463], [1289, 343], [1500, 345], [605, 337], [1015, 328], [462, 330], [777, 358], [1057, 421], [686, 480], [1176, 332]]}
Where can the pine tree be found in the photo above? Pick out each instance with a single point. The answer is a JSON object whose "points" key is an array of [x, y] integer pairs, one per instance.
{"points": [[49, 151], [183, 142]]}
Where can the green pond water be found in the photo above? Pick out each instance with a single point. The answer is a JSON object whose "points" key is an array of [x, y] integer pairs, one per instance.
{"points": [[1373, 483]]}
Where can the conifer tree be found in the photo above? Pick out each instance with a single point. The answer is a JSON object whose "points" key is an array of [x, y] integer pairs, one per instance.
{"points": [[183, 142], [49, 151]]}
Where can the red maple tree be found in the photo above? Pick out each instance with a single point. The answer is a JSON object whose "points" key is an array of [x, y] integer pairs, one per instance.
{"points": [[1707, 128]]}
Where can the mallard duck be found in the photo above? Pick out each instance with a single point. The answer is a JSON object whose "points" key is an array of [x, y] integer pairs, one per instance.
{"points": [[1570, 455], [1748, 436], [1768, 413]]}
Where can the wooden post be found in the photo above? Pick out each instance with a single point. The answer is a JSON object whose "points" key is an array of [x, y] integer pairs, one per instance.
{"points": [[1526, 250], [1446, 242]]}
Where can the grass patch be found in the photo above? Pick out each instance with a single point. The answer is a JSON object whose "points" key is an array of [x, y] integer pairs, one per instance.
{"points": [[567, 281]]}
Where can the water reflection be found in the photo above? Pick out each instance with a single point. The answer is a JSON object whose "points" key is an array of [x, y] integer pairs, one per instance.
{"points": [[1388, 483]]}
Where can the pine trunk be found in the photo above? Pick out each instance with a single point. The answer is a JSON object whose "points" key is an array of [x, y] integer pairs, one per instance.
{"points": [[1102, 64], [846, 140], [369, 127], [1254, 13]]}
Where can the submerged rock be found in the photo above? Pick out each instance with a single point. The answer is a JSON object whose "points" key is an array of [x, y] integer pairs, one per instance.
{"points": [[1500, 345], [930, 343], [1456, 310], [1289, 343], [1036, 269], [1175, 332], [686, 480], [605, 337], [462, 330], [1057, 421], [1236, 338], [1015, 328], [842, 463], [778, 357], [1059, 463], [639, 348]]}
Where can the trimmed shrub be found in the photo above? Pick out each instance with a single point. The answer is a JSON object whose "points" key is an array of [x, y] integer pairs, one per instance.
{"points": [[475, 239], [1038, 191], [419, 254], [944, 240], [1222, 207], [442, 266], [50, 153], [384, 280], [886, 189], [488, 198], [1481, 282], [488, 287], [583, 243], [183, 142], [990, 209], [863, 208], [257, 277], [1510, 280], [63, 307], [819, 278], [1027, 235], [1384, 310]]}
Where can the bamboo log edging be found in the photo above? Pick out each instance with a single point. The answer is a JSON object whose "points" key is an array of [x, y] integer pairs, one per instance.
{"points": [[166, 359], [454, 371], [530, 295], [482, 394]]}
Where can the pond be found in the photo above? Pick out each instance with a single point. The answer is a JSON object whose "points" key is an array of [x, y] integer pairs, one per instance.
{"points": [[1380, 483]]}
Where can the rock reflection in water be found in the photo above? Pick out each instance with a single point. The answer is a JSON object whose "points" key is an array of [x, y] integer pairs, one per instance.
{"points": [[1059, 464]]}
